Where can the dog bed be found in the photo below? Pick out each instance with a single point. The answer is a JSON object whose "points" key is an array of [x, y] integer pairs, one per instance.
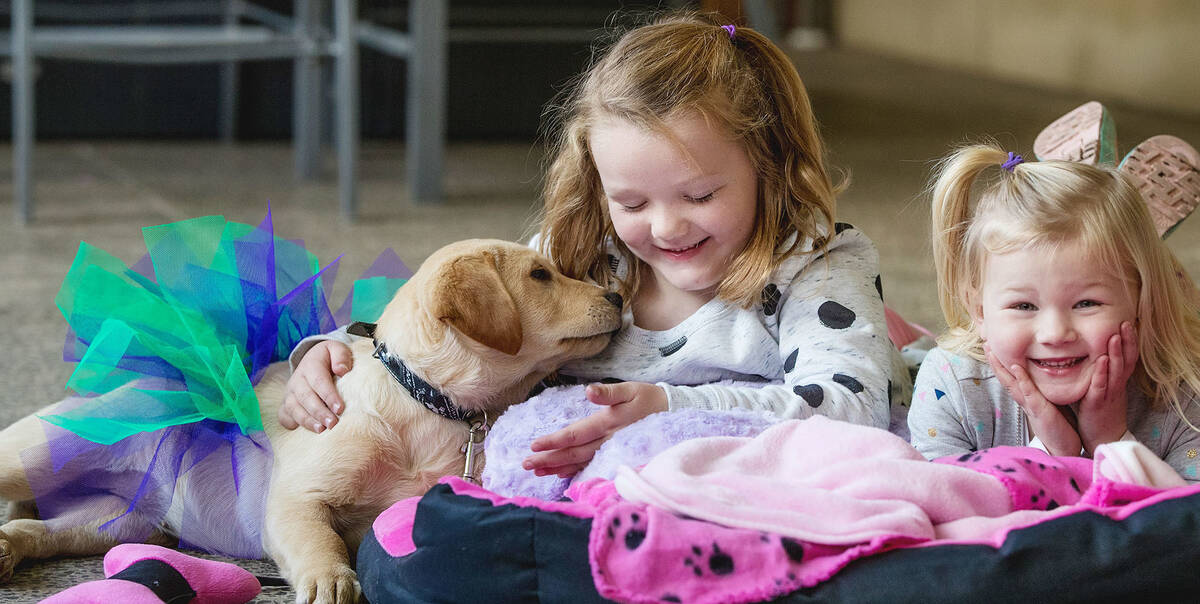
{"points": [[1007, 524]]}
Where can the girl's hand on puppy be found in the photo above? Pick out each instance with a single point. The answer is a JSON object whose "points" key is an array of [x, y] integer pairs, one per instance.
{"points": [[312, 399], [1101, 412], [569, 450], [1048, 421]]}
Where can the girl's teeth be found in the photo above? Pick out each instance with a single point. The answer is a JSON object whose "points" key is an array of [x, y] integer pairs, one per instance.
{"points": [[1058, 364]]}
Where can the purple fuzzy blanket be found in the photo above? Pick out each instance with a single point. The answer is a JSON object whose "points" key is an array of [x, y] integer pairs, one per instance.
{"points": [[507, 443]]}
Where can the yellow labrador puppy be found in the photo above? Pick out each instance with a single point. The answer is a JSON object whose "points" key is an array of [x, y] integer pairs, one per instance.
{"points": [[478, 325]]}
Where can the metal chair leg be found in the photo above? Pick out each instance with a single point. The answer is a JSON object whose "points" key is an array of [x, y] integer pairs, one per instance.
{"points": [[346, 76], [228, 84], [426, 102], [23, 108]]}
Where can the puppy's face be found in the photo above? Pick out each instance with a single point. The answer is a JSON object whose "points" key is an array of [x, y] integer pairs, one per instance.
{"points": [[560, 319], [503, 304]]}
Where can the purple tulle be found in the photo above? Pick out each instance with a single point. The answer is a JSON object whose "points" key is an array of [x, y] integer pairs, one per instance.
{"points": [[209, 478], [129, 489]]}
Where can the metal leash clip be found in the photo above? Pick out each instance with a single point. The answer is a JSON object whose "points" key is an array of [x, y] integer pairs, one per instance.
{"points": [[475, 436]]}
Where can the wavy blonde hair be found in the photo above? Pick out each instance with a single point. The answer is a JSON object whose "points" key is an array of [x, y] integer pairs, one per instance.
{"points": [[1043, 205], [680, 63]]}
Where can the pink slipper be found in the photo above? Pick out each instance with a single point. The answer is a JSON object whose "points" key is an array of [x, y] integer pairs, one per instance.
{"points": [[1085, 134], [1166, 171], [146, 574]]}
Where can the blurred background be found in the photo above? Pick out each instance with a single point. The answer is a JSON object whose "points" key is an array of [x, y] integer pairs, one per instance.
{"points": [[125, 134], [385, 123]]}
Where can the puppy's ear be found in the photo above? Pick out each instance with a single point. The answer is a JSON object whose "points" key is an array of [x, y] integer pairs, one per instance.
{"points": [[473, 299]]}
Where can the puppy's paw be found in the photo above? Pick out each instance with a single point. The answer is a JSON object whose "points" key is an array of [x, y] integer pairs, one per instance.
{"points": [[332, 585], [6, 559]]}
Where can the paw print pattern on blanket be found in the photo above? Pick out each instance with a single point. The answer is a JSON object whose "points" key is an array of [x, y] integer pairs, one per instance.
{"points": [[719, 562], [636, 550], [1035, 480], [634, 533]]}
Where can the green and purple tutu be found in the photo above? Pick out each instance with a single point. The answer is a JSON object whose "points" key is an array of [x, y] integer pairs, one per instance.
{"points": [[167, 353]]}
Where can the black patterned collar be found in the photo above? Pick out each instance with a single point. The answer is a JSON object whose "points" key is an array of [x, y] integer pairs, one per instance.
{"points": [[420, 390]]}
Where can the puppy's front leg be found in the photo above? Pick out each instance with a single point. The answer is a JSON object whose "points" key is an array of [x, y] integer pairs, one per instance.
{"points": [[310, 554]]}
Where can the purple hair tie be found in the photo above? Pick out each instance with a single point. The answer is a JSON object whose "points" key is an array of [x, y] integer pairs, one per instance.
{"points": [[731, 29], [1013, 160]]}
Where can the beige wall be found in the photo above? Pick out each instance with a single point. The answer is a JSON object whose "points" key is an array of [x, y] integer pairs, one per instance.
{"points": [[1141, 51]]}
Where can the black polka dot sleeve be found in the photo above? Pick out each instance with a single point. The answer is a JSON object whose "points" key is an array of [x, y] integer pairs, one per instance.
{"points": [[833, 354]]}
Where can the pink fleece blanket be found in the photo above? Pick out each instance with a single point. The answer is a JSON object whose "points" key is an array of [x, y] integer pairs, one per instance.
{"points": [[731, 519]]}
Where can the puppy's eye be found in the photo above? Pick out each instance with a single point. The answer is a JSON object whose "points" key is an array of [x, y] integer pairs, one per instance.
{"points": [[540, 274]]}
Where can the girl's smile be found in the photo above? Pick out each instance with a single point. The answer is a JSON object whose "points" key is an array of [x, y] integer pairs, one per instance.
{"points": [[684, 253], [1058, 365]]}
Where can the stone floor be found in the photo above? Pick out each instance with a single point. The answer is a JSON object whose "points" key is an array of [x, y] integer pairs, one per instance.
{"points": [[885, 122]]}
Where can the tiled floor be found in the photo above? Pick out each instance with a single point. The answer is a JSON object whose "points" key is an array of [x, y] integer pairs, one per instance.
{"points": [[885, 121]]}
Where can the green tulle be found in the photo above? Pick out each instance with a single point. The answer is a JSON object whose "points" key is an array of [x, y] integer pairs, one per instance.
{"points": [[371, 295], [178, 348]]}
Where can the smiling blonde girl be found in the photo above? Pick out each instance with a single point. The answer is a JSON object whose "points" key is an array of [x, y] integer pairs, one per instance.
{"points": [[1068, 323]]}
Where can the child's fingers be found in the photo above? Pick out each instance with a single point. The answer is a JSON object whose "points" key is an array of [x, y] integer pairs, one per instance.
{"points": [[609, 394], [569, 471], [293, 410], [1116, 357], [315, 375], [310, 394], [327, 403], [581, 432], [284, 413], [554, 461], [341, 359], [1022, 388], [1047, 420], [1030, 398], [1098, 389], [1129, 348], [317, 396], [564, 471], [1024, 384], [1006, 378], [314, 403]]}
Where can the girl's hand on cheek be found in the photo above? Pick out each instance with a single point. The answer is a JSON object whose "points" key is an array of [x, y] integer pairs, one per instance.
{"points": [[569, 450], [1102, 411], [1046, 419]]}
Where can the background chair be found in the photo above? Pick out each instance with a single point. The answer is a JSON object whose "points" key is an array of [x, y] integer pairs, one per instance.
{"points": [[231, 31]]}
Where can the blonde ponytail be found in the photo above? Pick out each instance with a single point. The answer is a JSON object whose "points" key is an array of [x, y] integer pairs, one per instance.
{"points": [[958, 264]]}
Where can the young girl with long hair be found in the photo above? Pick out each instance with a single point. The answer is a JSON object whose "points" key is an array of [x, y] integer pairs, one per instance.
{"points": [[688, 175], [1070, 323]]}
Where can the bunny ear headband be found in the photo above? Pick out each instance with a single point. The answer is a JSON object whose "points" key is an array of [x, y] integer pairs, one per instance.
{"points": [[1164, 168]]}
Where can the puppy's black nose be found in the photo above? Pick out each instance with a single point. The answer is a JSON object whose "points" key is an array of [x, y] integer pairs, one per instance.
{"points": [[615, 298]]}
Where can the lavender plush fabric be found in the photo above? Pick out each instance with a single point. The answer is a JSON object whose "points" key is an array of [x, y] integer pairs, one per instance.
{"points": [[507, 444]]}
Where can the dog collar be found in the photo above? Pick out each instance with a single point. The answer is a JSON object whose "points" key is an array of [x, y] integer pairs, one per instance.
{"points": [[420, 390]]}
